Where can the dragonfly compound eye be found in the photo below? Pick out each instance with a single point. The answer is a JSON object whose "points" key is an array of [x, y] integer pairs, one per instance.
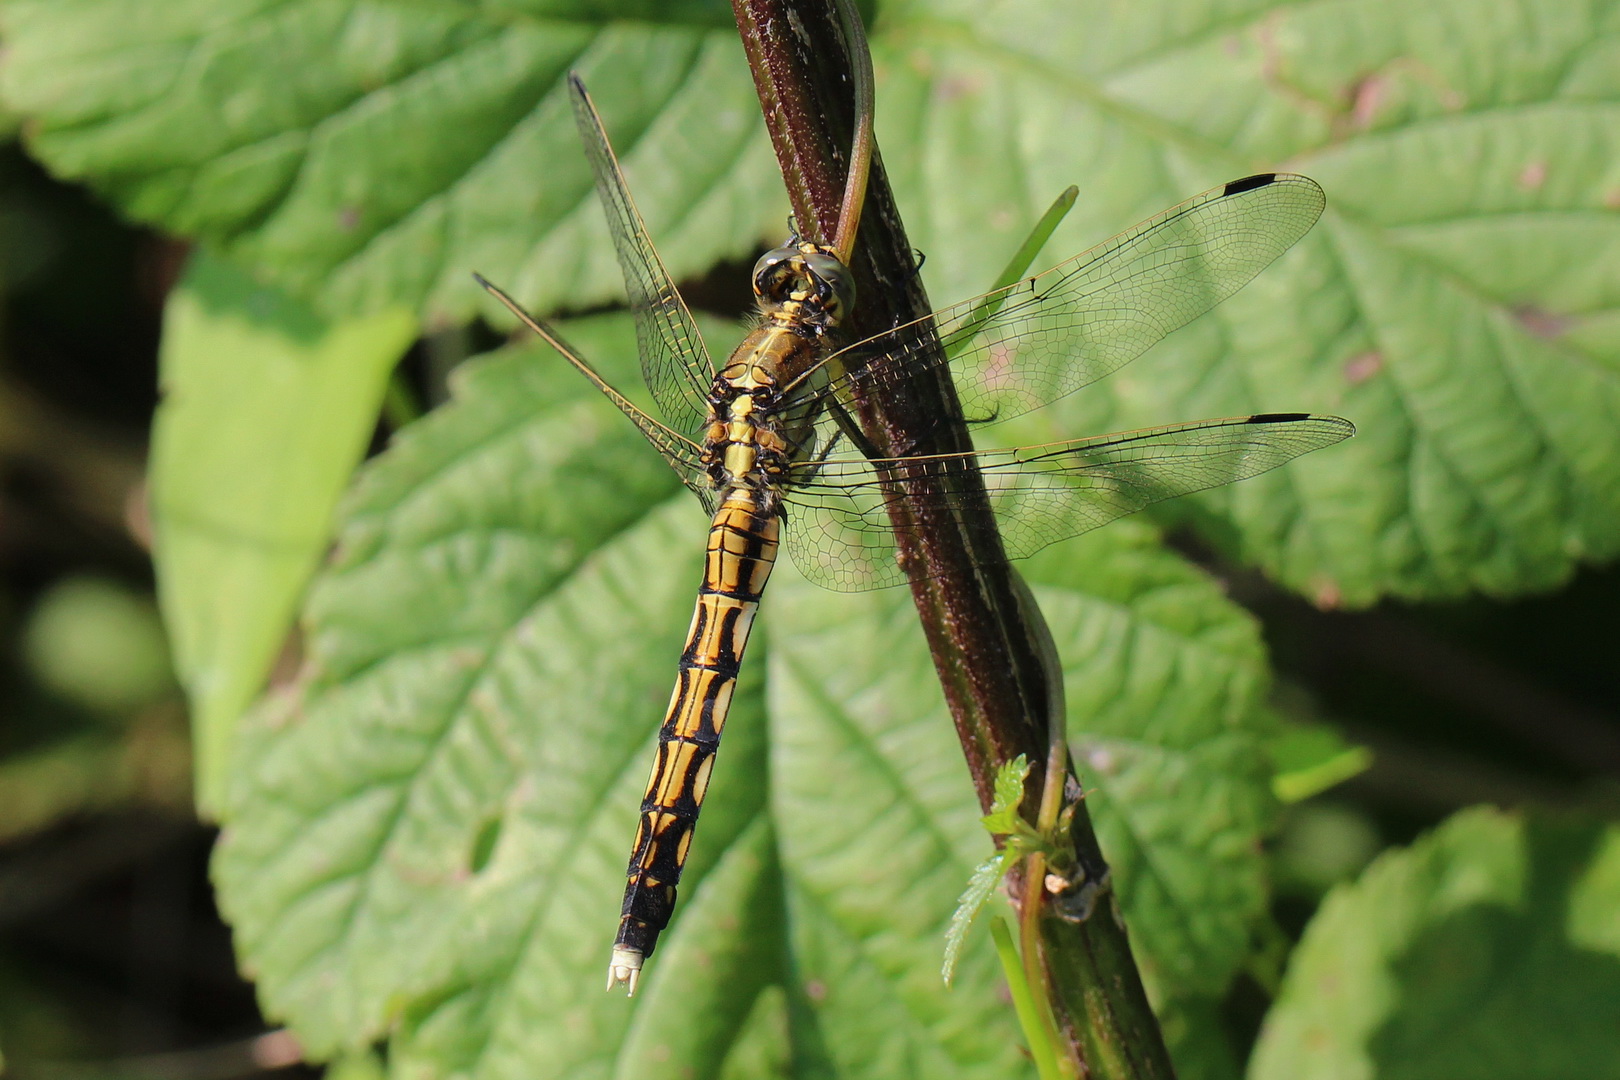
{"points": [[775, 273], [836, 284]]}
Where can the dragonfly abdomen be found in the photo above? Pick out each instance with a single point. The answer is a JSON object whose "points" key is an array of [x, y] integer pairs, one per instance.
{"points": [[741, 552]]}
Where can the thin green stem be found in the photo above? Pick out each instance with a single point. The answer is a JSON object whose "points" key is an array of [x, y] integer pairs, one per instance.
{"points": [[1016, 267], [1031, 1017], [1024, 257], [1057, 748]]}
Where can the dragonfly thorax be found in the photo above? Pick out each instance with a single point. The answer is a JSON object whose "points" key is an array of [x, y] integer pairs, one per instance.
{"points": [[750, 432], [804, 284], [744, 445]]}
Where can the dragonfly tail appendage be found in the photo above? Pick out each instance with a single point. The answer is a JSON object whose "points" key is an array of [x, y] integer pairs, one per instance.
{"points": [[741, 552]]}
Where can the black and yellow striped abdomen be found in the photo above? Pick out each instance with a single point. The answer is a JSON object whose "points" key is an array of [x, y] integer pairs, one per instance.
{"points": [[741, 552]]}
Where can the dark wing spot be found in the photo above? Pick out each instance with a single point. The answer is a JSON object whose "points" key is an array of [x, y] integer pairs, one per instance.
{"points": [[1249, 183]]}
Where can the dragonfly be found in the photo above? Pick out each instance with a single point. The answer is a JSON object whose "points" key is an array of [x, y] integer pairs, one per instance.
{"points": [[768, 438]]}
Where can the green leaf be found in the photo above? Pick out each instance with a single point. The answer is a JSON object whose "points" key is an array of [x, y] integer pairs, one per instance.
{"points": [[1016, 269], [879, 827], [1321, 844], [1487, 949], [1004, 818], [763, 1047], [1166, 684], [980, 888], [266, 411], [471, 673], [1310, 758], [1457, 301], [367, 154], [735, 940], [1198, 1041], [425, 840], [360, 1065], [483, 654], [429, 824], [101, 773]]}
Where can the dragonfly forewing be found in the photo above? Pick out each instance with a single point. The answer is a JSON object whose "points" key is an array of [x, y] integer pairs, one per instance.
{"points": [[674, 361], [1051, 334]]}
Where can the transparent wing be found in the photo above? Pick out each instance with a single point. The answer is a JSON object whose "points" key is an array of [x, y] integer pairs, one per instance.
{"points": [[1021, 347], [674, 361], [840, 536], [682, 454]]}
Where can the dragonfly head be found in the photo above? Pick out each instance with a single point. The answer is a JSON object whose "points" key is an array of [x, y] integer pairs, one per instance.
{"points": [[806, 275]]}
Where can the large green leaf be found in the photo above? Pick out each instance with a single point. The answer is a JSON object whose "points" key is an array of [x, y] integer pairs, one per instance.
{"points": [[266, 411], [1164, 680], [1457, 300], [1490, 948], [392, 859], [426, 838], [368, 153]]}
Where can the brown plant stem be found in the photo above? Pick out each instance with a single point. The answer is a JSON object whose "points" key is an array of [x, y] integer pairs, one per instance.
{"points": [[983, 641]]}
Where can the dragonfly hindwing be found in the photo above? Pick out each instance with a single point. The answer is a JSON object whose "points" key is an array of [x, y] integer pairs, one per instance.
{"points": [[841, 536]]}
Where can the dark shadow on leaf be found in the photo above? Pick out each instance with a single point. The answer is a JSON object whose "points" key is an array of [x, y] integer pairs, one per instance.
{"points": [[1494, 990]]}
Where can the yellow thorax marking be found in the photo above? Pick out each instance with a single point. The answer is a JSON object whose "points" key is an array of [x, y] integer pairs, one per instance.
{"points": [[745, 373]]}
